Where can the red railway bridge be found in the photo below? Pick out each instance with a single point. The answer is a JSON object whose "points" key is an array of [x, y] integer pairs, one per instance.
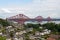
{"points": [[21, 18]]}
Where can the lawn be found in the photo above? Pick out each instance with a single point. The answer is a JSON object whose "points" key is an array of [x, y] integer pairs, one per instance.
{"points": [[2, 38]]}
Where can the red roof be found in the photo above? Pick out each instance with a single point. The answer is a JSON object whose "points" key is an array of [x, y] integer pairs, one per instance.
{"points": [[51, 38]]}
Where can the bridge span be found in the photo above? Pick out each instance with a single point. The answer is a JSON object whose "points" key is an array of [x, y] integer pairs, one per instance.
{"points": [[22, 18]]}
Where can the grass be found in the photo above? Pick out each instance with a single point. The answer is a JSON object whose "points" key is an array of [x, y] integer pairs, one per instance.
{"points": [[2, 38]]}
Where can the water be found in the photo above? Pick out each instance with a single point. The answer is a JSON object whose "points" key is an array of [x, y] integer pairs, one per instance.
{"points": [[43, 22]]}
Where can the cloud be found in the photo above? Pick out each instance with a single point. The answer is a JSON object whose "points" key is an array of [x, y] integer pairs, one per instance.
{"points": [[6, 10], [54, 15], [43, 8]]}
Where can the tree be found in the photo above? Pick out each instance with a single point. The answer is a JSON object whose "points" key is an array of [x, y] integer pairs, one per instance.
{"points": [[55, 28], [11, 35], [50, 26], [29, 25], [4, 22]]}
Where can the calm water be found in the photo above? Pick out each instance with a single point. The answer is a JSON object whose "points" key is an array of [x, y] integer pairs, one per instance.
{"points": [[57, 22]]}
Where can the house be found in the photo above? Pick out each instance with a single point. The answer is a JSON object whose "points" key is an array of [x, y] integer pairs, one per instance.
{"points": [[24, 31], [1, 33], [9, 28], [1, 26], [21, 38], [46, 31], [29, 29], [32, 37], [53, 37], [8, 38], [42, 33], [16, 39], [37, 36], [37, 33], [41, 27], [20, 33]]}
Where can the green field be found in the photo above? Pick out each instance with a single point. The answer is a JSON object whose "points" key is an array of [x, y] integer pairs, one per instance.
{"points": [[2, 38]]}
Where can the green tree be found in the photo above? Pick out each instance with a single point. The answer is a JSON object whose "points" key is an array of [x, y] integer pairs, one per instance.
{"points": [[50, 26], [29, 25], [53, 27], [4, 22], [11, 35]]}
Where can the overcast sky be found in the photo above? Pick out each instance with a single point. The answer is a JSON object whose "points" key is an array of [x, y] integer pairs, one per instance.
{"points": [[31, 8]]}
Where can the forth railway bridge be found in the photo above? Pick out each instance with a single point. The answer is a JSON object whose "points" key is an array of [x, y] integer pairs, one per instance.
{"points": [[21, 18]]}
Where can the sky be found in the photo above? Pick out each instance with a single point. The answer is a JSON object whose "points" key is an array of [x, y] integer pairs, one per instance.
{"points": [[30, 8]]}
